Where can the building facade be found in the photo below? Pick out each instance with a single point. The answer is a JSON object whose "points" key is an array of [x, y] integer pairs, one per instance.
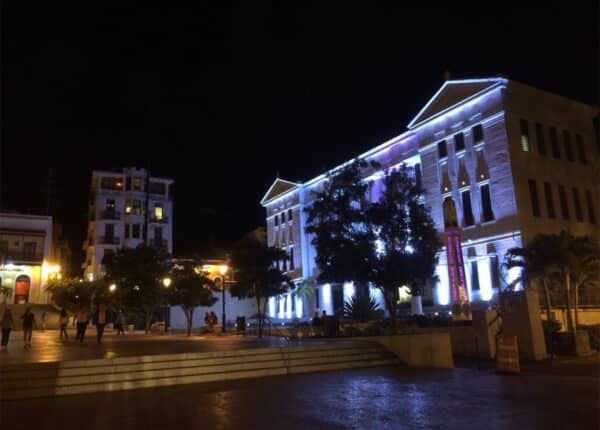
{"points": [[515, 161], [27, 257], [126, 209]]}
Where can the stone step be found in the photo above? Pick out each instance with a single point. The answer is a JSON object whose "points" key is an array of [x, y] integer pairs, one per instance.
{"points": [[87, 376]]}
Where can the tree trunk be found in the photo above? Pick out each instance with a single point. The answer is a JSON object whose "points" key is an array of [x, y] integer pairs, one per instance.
{"points": [[189, 314], [148, 319], [259, 315], [391, 307], [577, 306], [570, 326], [547, 297], [264, 312]]}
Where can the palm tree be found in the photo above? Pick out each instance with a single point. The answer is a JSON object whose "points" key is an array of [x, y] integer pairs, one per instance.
{"points": [[585, 270], [537, 262], [5, 292]]}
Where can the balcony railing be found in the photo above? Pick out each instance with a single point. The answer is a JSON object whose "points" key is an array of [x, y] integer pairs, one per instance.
{"points": [[20, 256], [110, 240], [162, 220], [159, 243], [110, 214]]}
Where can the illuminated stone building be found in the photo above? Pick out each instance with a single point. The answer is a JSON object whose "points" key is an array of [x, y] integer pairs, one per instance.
{"points": [[126, 208], [28, 259], [515, 160]]}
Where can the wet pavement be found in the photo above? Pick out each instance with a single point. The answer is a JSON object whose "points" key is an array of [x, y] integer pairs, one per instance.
{"points": [[381, 398], [46, 346]]}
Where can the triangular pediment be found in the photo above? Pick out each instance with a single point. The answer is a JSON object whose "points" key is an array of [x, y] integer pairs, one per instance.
{"points": [[280, 186], [453, 93]]}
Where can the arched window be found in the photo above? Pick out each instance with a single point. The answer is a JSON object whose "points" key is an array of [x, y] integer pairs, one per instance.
{"points": [[22, 285]]}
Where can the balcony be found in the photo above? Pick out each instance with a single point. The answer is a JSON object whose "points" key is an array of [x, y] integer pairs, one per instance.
{"points": [[162, 220], [108, 240], [110, 214], [159, 243], [20, 256]]}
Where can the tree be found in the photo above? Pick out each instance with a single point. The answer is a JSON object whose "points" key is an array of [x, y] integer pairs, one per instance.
{"points": [[338, 223], [390, 242], [408, 238], [189, 290], [138, 274], [573, 261], [256, 272], [72, 293], [362, 307]]}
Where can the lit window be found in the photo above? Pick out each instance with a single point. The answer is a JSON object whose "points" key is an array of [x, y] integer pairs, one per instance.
{"points": [[137, 207], [137, 183], [128, 206], [158, 212], [525, 136]]}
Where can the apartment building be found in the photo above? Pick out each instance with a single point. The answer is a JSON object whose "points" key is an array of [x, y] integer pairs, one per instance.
{"points": [[515, 161], [126, 209]]}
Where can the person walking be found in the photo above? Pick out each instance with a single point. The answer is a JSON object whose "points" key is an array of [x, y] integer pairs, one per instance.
{"points": [[100, 321], [28, 324], [120, 322], [44, 319], [7, 325], [63, 321], [82, 322]]}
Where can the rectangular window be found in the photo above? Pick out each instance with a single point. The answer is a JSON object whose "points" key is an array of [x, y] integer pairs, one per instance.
{"points": [[590, 205], [486, 203], [282, 217], [137, 183], [159, 188], [290, 215], [292, 265], [135, 231], [554, 143], [567, 144], [110, 205], [442, 149], [459, 142], [127, 231], [137, 207], [580, 149], [533, 195], [541, 142], [29, 249], [128, 207], [109, 231], [107, 183], [158, 211], [564, 205], [158, 234], [290, 236], [418, 179], [577, 204], [276, 221], [474, 276], [549, 200], [495, 271], [477, 134], [467, 209], [128, 183], [293, 299], [525, 136]]}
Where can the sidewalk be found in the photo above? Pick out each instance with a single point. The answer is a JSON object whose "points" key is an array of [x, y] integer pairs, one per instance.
{"points": [[46, 346]]}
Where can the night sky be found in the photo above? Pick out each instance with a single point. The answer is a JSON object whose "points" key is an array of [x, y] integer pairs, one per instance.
{"points": [[221, 99]]}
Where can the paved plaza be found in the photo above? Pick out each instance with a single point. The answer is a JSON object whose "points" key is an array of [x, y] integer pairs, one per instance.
{"points": [[46, 346], [380, 398]]}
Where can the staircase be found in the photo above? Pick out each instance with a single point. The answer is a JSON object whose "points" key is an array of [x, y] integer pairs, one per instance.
{"points": [[128, 373]]}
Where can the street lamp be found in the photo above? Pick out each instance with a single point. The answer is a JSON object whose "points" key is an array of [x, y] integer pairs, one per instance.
{"points": [[166, 282], [112, 288], [223, 270]]}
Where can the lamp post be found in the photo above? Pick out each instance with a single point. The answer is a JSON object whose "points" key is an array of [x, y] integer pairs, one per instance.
{"points": [[223, 270], [167, 283]]}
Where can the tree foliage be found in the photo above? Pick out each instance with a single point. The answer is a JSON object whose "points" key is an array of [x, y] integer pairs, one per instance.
{"points": [[72, 293], [361, 308], [190, 289], [256, 273], [389, 242], [138, 274]]}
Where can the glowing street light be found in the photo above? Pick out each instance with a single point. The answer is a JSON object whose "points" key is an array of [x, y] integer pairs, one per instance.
{"points": [[112, 288], [166, 282], [223, 270]]}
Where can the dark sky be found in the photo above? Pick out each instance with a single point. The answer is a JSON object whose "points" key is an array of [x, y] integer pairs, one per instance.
{"points": [[221, 99]]}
